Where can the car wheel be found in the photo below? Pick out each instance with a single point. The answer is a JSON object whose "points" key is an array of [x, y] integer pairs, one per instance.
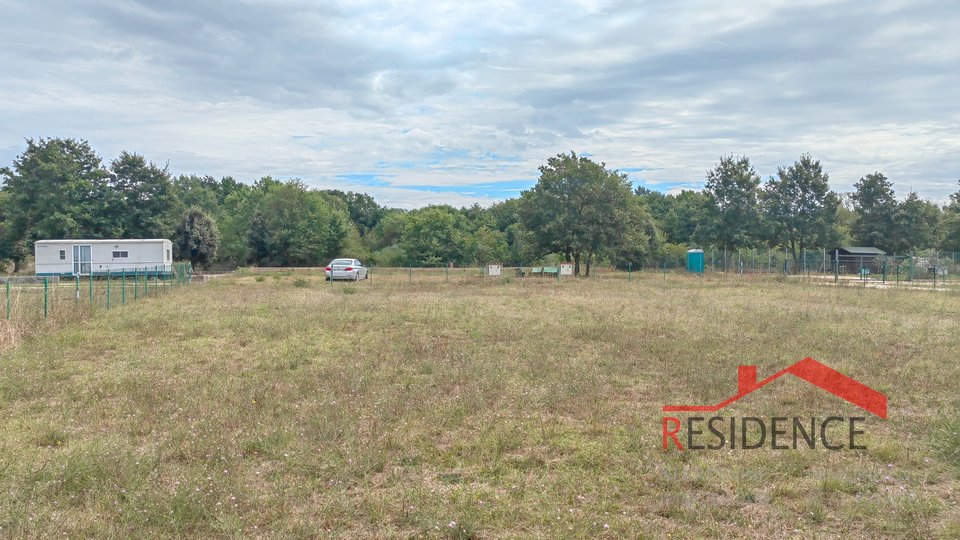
{"points": [[356, 277]]}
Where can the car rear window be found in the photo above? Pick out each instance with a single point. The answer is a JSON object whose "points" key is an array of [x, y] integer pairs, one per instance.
{"points": [[342, 262]]}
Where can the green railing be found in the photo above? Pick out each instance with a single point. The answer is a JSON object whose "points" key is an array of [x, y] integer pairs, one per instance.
{"points": [[31, 297]]}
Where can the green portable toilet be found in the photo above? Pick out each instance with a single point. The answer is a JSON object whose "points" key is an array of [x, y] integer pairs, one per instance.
{"points": [[695, 260]]}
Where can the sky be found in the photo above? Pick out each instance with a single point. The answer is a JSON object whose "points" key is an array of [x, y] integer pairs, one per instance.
{"points": [[460, 102]]}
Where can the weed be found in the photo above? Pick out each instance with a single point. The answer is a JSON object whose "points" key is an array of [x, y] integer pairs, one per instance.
{"points": [[53, 438]]}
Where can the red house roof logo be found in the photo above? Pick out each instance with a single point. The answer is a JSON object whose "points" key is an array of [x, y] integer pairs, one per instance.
{"points": [[809, 370]]}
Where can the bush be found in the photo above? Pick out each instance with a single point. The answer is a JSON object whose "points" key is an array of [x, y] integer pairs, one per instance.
{"points": [[389, 256]]}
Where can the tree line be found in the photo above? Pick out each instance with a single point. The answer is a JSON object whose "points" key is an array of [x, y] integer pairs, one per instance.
{"points": [[579, 210]]}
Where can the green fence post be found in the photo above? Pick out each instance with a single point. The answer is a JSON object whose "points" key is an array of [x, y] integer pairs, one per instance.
{"points": [[410, 274], [8, 298], [108, 289], [446, 273], [896, 268], [836, 266], [77, 291], [45, 301], [136, 284], [123, 289], [629, 272], [90, 288]]}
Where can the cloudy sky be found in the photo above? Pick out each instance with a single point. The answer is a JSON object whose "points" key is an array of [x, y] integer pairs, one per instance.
{"points": [[460, 102]]}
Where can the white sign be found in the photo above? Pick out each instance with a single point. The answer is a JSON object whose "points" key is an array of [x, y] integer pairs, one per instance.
{"points": [[566, 269], [493, 270]]}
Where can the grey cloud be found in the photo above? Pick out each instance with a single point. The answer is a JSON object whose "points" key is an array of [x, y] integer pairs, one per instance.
{"points": [[225, 85]]}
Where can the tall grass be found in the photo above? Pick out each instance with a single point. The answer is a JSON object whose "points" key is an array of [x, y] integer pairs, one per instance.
{"points": [[470, 409]]}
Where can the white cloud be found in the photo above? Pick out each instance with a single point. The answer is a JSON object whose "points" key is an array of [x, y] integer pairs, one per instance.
{"points": [[460, 94]]}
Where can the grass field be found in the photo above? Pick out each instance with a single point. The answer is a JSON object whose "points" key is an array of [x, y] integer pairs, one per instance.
{"points": [[279, 406]]}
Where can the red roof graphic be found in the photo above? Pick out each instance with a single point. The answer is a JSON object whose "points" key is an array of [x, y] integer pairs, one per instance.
{"points": [[809, 370]]}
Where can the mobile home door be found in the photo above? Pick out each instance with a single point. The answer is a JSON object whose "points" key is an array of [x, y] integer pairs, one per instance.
{"points": [[81, 260]]}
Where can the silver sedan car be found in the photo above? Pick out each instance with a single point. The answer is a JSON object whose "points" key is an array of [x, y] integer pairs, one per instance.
{"points": [[351, 269]]}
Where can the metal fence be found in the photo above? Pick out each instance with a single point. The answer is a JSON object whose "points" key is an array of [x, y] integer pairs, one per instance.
{"points": [[917, 270], [37, 298], [922, 267]]}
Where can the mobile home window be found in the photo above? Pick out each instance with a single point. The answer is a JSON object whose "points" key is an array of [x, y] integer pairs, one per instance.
{"points": [[120, 254], [168, 255], [63, 254]]}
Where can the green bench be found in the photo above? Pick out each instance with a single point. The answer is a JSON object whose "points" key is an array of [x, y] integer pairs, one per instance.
{"points": [[541, 271]]}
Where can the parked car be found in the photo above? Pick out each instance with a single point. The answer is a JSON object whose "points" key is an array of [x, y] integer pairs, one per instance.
{"points": [[351, 269]]}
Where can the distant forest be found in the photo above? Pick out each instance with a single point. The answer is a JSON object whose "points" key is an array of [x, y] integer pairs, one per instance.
{"points": [[579, 210]]}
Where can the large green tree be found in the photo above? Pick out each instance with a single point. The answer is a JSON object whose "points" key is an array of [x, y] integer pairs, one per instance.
{"points": [[145, 198], [732, 217], [640, 239], [12, 248], [875, 207], [197, 238], [800, 208], [485, 245], [577, 208], [293, 226], [58, 188], [432, 236], [915, 225]]}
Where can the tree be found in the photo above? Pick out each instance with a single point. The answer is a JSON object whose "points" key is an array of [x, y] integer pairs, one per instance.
{"points": [[915, 225], [640, 239], [57, 189], [12, 249], [486, 245], [293, 226], [951, 224], [576, 208], [145, 198], [875, 207], [733, 211], [197, 237], [800, 208], [431, 236]]}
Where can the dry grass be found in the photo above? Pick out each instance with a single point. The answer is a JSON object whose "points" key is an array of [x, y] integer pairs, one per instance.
{"points": [[280, 408]]}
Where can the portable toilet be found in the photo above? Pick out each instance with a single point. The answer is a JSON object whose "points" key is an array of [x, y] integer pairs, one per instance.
{"points": [[695, 260]]}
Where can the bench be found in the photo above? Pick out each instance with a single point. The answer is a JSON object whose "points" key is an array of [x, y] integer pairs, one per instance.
{"points": [[536, 271], [551, 271]]}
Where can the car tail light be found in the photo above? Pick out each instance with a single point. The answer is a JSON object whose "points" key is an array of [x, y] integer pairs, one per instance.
{"points": [[348, 269], [327, 269]]}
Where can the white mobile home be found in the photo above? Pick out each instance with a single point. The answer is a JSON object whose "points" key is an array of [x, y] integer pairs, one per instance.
{"points": [[102, 257]]}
